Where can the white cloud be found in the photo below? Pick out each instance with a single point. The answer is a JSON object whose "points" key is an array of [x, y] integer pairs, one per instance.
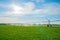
{"points": [[8, 20], [12, 20], [52, 8], [39, 0], [27, 8]]}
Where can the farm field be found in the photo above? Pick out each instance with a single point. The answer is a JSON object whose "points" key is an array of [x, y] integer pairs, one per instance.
{"points": [[8, 32]]}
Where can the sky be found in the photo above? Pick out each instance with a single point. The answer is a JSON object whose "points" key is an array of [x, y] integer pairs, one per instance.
{"points": [[23, 11]]}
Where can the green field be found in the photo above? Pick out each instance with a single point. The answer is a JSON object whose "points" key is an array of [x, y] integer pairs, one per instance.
{"points": [[8, 32]]}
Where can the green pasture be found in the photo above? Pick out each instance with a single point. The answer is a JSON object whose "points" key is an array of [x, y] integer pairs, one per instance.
{"points": [[8, 32]]}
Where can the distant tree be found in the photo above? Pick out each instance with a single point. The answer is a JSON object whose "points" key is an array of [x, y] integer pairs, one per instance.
{"points": [[3, 24]]}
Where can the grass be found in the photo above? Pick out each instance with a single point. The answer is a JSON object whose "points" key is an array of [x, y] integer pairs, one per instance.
{"points": [[8, 32]]}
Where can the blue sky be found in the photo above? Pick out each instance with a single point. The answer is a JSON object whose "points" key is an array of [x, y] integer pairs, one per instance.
{"points": [[16, 11]]}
